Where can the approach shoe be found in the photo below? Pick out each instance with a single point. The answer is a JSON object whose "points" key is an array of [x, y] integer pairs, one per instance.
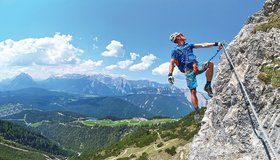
{"points": [[208, 89], [197, 116]]}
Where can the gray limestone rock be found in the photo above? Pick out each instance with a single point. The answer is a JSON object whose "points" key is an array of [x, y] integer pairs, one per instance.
{"points": [[230, 130]]}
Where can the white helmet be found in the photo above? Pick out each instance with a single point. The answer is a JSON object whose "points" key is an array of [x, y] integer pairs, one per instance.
{"points": [[173, 36]]}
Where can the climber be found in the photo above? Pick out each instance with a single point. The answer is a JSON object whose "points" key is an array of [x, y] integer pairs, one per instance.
{"points": [[182, 56]]}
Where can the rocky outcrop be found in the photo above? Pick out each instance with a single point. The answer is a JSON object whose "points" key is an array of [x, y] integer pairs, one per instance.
{"points": [[230, 130]]}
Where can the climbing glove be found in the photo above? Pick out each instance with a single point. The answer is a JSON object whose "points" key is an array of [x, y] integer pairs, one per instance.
{"points": [[219, 44], [170, 78]]}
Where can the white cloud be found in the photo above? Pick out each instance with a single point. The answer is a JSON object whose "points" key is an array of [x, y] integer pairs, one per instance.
{"points": [[147, 61], [43, 57], [114, 49], [92, 63], [44, 71], [121, 65], [88, 67], [111, 67], [43, 51], [163, 70], [124, 64], [133, 55]]}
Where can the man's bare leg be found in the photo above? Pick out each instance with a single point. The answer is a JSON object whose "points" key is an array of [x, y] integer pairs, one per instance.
{"points": [[209, 76]]}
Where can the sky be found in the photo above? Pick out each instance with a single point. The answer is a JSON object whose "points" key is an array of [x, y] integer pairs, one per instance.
{"points": [[128, 38]]}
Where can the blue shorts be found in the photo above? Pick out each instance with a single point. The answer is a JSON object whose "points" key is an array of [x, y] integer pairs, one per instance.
{"points": [[191, 75]]}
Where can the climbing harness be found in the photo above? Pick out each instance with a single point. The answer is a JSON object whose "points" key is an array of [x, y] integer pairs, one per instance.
{"points": [[195, 68], [252, 107]]}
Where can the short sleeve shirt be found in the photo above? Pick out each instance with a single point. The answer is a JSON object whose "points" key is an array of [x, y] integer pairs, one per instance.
{"points": [[184, 55]]}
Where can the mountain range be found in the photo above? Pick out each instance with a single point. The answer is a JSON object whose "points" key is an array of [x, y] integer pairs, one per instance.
{"points": [[144, 98], [99, 85]]}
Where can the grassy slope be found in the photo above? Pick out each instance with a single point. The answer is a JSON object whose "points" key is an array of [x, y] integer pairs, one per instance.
{"points": [[152, 149], [267, 74], [128, 122], [65, 128], [273, 22], [150, 141]]}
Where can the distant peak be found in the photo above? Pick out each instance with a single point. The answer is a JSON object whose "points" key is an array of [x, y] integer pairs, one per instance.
{"points": [[23, 75]]}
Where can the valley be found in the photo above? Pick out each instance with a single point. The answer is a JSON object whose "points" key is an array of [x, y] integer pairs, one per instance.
{"points": [[129, 137], [145, 118]]}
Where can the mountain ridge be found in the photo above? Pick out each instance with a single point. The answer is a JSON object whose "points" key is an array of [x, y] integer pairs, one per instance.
{"points": [[147, 92], [117, 85], [41, 99]]}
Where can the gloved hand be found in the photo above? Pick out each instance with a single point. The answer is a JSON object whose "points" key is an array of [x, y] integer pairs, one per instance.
{"points": [[170, 78], [220, 45]]}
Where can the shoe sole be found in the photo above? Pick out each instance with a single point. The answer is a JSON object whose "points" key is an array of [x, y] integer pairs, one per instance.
{"points": [[210, 95]]}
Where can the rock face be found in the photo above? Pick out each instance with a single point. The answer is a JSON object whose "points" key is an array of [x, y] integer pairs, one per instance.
{"points": [[230, 130]]}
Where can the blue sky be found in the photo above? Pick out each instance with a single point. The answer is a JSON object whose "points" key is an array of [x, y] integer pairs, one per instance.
{"points": [[128, 38]]}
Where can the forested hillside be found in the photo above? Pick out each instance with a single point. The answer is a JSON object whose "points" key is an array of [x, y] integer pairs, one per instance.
{"points": [[148, 141], [18, 134]]}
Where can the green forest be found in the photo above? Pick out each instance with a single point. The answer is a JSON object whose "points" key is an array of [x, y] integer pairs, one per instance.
{"points": [[21, 135]]}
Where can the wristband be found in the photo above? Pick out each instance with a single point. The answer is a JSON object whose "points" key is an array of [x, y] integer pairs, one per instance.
{"points": [[216, 43]]}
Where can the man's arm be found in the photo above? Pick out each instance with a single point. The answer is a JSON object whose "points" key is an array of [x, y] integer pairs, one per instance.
{"points": [[172, 65], [171, 68], [205, 45]]}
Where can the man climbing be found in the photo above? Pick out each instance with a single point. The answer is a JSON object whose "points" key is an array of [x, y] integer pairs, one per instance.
{"points": [[182, 56]]}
